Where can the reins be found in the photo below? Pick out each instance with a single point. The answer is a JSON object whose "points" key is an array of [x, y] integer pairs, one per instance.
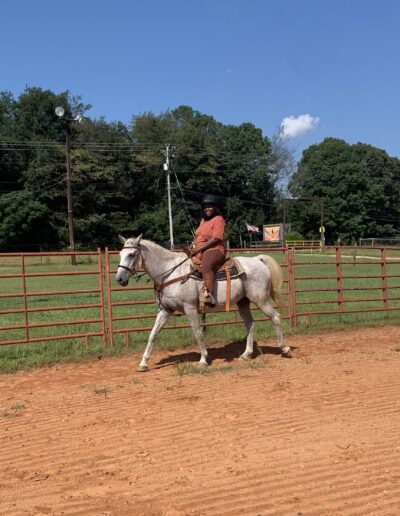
{"points": [[169, 271]]}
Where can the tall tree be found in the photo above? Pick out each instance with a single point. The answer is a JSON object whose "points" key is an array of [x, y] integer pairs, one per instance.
{"points": [[359, 185], [25, 223]]}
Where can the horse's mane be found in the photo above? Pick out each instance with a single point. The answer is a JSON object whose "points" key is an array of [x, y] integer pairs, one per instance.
{"points": [[153, 245]]}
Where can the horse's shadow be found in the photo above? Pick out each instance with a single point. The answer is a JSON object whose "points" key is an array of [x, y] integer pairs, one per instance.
{"points": [[227, 353]]}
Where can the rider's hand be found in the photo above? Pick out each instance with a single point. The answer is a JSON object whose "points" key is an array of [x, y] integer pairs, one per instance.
{"points": [[193, 251]]}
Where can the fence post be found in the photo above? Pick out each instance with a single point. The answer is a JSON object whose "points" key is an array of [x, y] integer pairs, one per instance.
{"points": [[384, 279], [292, 280], [25, 299], [101, 288], [339, 278], [109, 300]]}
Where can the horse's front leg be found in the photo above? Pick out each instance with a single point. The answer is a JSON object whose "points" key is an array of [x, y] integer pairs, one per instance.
{"points": [[161, 319], [193, 317]]}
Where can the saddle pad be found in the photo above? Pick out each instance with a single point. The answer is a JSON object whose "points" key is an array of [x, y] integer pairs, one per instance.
{"points": [[220, 275]]}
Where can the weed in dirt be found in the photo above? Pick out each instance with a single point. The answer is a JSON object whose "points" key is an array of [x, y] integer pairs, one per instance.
{"points": [[306, 360], [101, 390], [14, 410]]}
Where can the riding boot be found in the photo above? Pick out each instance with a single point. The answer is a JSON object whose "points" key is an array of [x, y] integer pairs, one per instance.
{"points": [[208, 278]]}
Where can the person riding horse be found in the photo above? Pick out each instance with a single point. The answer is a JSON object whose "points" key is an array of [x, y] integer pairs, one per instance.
{"points": [[209, 244]]}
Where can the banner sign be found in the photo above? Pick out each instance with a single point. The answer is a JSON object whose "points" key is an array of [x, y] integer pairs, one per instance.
{"points": [[273, 233]]}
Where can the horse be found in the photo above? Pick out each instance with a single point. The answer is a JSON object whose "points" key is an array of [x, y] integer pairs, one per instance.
{"points": [[177, 291]]}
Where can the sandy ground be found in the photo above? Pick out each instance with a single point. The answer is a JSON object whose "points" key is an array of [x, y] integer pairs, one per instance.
{"points": [[318, 434]]}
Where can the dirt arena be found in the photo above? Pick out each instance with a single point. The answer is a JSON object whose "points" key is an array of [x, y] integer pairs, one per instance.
{"points": [[318, 434]]}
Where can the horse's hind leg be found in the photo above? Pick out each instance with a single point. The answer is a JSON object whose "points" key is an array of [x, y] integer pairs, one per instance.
{"points": [[276, 321], [161, 319], [245, 314]]}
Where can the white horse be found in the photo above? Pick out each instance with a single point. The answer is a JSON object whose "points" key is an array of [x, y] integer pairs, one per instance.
{"points": [[170, 271]]}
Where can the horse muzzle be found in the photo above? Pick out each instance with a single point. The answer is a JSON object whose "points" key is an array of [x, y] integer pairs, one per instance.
{"points": [[122, 276]]}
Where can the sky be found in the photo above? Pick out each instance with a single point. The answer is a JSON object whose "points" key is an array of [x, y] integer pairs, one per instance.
{"points": [[309, 69]]}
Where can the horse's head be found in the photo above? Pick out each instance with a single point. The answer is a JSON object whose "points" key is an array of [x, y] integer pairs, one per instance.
{"points": [[130, 259]]}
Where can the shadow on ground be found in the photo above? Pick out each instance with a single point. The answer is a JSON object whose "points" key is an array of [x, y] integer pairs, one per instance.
{"points": [[227, 353]]}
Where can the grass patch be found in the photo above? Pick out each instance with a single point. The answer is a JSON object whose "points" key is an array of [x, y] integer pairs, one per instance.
{"points": [[101, 391], [185, 368], [15, 410]]}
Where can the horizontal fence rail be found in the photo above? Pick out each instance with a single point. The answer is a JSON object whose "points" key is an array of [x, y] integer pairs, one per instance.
{"points": [[50, 296]]}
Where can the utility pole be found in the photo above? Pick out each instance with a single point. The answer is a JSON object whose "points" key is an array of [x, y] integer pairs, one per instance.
{"points": [[322, 228], [166, 169], [60, 112], [284, 214], [69, 192]]}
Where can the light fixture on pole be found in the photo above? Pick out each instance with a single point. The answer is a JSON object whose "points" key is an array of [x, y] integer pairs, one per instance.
{"points": [[60, 112]]}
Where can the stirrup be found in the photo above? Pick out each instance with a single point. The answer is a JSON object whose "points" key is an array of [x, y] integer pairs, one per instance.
{"points": [[210, 300]]}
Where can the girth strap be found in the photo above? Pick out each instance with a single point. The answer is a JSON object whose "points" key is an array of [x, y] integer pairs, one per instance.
{"points": [[159, 288], [228, 289]]}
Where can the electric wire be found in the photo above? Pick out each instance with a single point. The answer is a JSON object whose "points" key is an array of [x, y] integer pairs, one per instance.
{"points": [[189, 218]]}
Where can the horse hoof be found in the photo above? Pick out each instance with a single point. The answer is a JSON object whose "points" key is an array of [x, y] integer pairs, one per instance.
{"points": [[142, 369], [286, 352], [203, 364], [244, 357]]}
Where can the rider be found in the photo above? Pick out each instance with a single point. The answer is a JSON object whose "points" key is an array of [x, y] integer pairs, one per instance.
{"points": [[209, 243]]}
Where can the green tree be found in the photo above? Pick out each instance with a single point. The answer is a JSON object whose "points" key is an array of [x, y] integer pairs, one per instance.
{"points": [[25, 223], [358, 184]]}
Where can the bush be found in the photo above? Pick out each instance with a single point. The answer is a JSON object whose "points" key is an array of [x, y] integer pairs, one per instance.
{"points": [[293, 235]]}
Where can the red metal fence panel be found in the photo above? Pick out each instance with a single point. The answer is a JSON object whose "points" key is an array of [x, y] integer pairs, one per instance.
{"points": [[344, 280], [46, 297]]}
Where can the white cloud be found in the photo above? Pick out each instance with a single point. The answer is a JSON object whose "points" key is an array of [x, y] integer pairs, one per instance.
{"points": [[291, 127]]}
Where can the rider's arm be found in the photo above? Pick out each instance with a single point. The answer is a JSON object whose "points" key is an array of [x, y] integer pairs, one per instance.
{"points": [[210, 243]]}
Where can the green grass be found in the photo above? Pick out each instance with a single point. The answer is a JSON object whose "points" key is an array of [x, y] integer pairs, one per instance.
{"points": [[312, 296], [187, 368], [15, 410]]}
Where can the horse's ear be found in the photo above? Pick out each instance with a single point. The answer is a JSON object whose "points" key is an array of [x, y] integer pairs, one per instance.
{"points": [[138, 239], [122, 239]]}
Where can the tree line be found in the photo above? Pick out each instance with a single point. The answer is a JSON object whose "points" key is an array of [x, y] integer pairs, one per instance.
{"points": [[119, 185]]}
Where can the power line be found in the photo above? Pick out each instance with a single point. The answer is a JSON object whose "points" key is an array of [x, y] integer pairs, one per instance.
{"points": [[189, 218]]}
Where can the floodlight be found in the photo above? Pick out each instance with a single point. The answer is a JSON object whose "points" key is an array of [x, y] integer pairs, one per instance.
{"points": [[60, 111]]}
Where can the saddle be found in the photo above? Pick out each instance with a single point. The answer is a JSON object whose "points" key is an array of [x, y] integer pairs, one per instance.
{"points": [[229, 270], [230, 266]]}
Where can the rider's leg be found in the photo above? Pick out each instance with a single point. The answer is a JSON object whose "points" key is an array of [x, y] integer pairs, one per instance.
{"points": [[212, 260]]}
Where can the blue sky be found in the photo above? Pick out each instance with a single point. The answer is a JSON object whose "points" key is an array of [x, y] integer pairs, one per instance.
{"points": [[257, 61]]}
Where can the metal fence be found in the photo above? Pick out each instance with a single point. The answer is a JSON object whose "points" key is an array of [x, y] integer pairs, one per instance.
{"points": [[51, 296], [45, 297]]}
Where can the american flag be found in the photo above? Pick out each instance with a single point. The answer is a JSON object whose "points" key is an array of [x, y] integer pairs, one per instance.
{"points": [[251, 228]]}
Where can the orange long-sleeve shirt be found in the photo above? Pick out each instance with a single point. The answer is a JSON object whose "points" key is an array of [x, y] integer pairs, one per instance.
{"points": [[212, 228]]}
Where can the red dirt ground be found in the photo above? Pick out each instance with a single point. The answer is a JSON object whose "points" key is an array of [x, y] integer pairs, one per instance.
{"points": [[318, 434]]}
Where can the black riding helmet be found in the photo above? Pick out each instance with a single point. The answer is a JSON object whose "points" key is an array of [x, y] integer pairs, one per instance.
{"points": [[210, 199]]}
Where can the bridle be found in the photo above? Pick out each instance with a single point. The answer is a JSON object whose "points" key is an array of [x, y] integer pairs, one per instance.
{"points": [[138, 256], [135, 261], [157, 288]]}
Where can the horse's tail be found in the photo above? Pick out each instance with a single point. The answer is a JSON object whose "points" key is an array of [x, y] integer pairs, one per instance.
{"points": [[276, 279]]}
